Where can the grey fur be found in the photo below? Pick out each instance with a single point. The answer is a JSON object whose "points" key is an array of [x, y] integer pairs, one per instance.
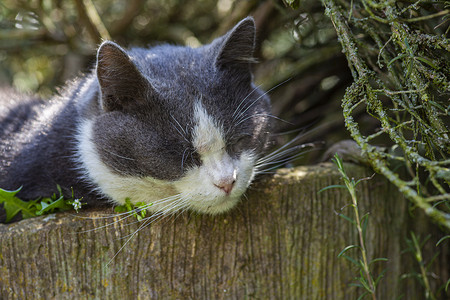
{"points": [[141, 102]]}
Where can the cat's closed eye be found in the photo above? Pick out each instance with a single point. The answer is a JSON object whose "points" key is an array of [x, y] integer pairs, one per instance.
{"points": [[240, 144]]}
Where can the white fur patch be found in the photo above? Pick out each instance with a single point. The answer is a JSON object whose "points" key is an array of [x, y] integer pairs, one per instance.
{"points": [[208, 136]]}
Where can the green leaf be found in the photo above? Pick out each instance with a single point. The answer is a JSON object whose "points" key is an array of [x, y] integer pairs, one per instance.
{"points": [[293, 3], [120, 209], [355, 284], [407, 45], [128, 204], [14, 205], [442, 239], [346, 249], [363, 295], [380, 277], [427, 61], [347, 218], [364, 282], [364, 221], [138, 210], [409, 69], [431, 260], [378, 259], [48, 205], [352, 260], [340, 186], [338, 161], [396, 58]]}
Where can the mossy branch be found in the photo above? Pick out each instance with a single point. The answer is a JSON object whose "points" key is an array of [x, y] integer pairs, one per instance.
{"points": [[413, 115]]}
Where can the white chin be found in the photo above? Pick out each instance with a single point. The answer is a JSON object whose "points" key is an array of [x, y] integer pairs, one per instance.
{"points": [[214, 206]]}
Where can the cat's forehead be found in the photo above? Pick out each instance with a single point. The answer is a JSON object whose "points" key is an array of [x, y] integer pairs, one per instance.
{"points": [[168, 61], [182, 76]]}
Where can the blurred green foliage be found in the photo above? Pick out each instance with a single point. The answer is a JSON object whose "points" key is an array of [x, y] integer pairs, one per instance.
{"points": [[44, 43]]}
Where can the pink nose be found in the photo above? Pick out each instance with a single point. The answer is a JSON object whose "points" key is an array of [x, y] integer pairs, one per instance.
{"points": [[226, 186]]}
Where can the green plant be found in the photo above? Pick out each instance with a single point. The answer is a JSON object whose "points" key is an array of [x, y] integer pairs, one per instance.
{"points": [[447, 237], [425, 275], [28, 209], [138, 210], [366, 279], [415, 246]]}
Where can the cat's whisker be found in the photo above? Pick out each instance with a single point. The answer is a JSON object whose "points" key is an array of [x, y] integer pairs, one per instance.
{"points": [[278, 118], [104, 226], [113, 215], [275, 155], [182, 159], [123, 246], [181, 200], [286, 148], [261, 115], [180, 212], [120, 156], [171, 207], [153, 218], [247, 118], [182, 133], [279, 163], [238, 108], [181, 127], [146, 222], [288, 132], [283, 160], [257, 99], [277, 151], [160, 214], [163, 214], [130, 213]]}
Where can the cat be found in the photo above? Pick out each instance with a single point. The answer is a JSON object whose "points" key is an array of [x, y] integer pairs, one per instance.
{"points": [[175, 127]]}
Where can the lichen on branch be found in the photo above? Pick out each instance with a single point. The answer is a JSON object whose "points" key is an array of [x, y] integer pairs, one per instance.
{"points": [[399, 56]]}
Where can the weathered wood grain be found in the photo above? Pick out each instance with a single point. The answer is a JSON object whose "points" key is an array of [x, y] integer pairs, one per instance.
{"points": [[281, 242]]}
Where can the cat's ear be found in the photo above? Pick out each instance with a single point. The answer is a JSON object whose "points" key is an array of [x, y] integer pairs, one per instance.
{"points": [[237, 46], [122, 85]]}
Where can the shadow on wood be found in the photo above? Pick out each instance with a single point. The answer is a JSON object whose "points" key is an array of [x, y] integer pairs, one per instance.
{"points": [[280, 243]]}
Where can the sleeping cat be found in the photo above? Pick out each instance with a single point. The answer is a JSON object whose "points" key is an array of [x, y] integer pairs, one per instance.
{"points": [[176, 127]]}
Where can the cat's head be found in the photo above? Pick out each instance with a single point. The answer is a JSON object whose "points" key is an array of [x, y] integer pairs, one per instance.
{"points": [[177, 126]]}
